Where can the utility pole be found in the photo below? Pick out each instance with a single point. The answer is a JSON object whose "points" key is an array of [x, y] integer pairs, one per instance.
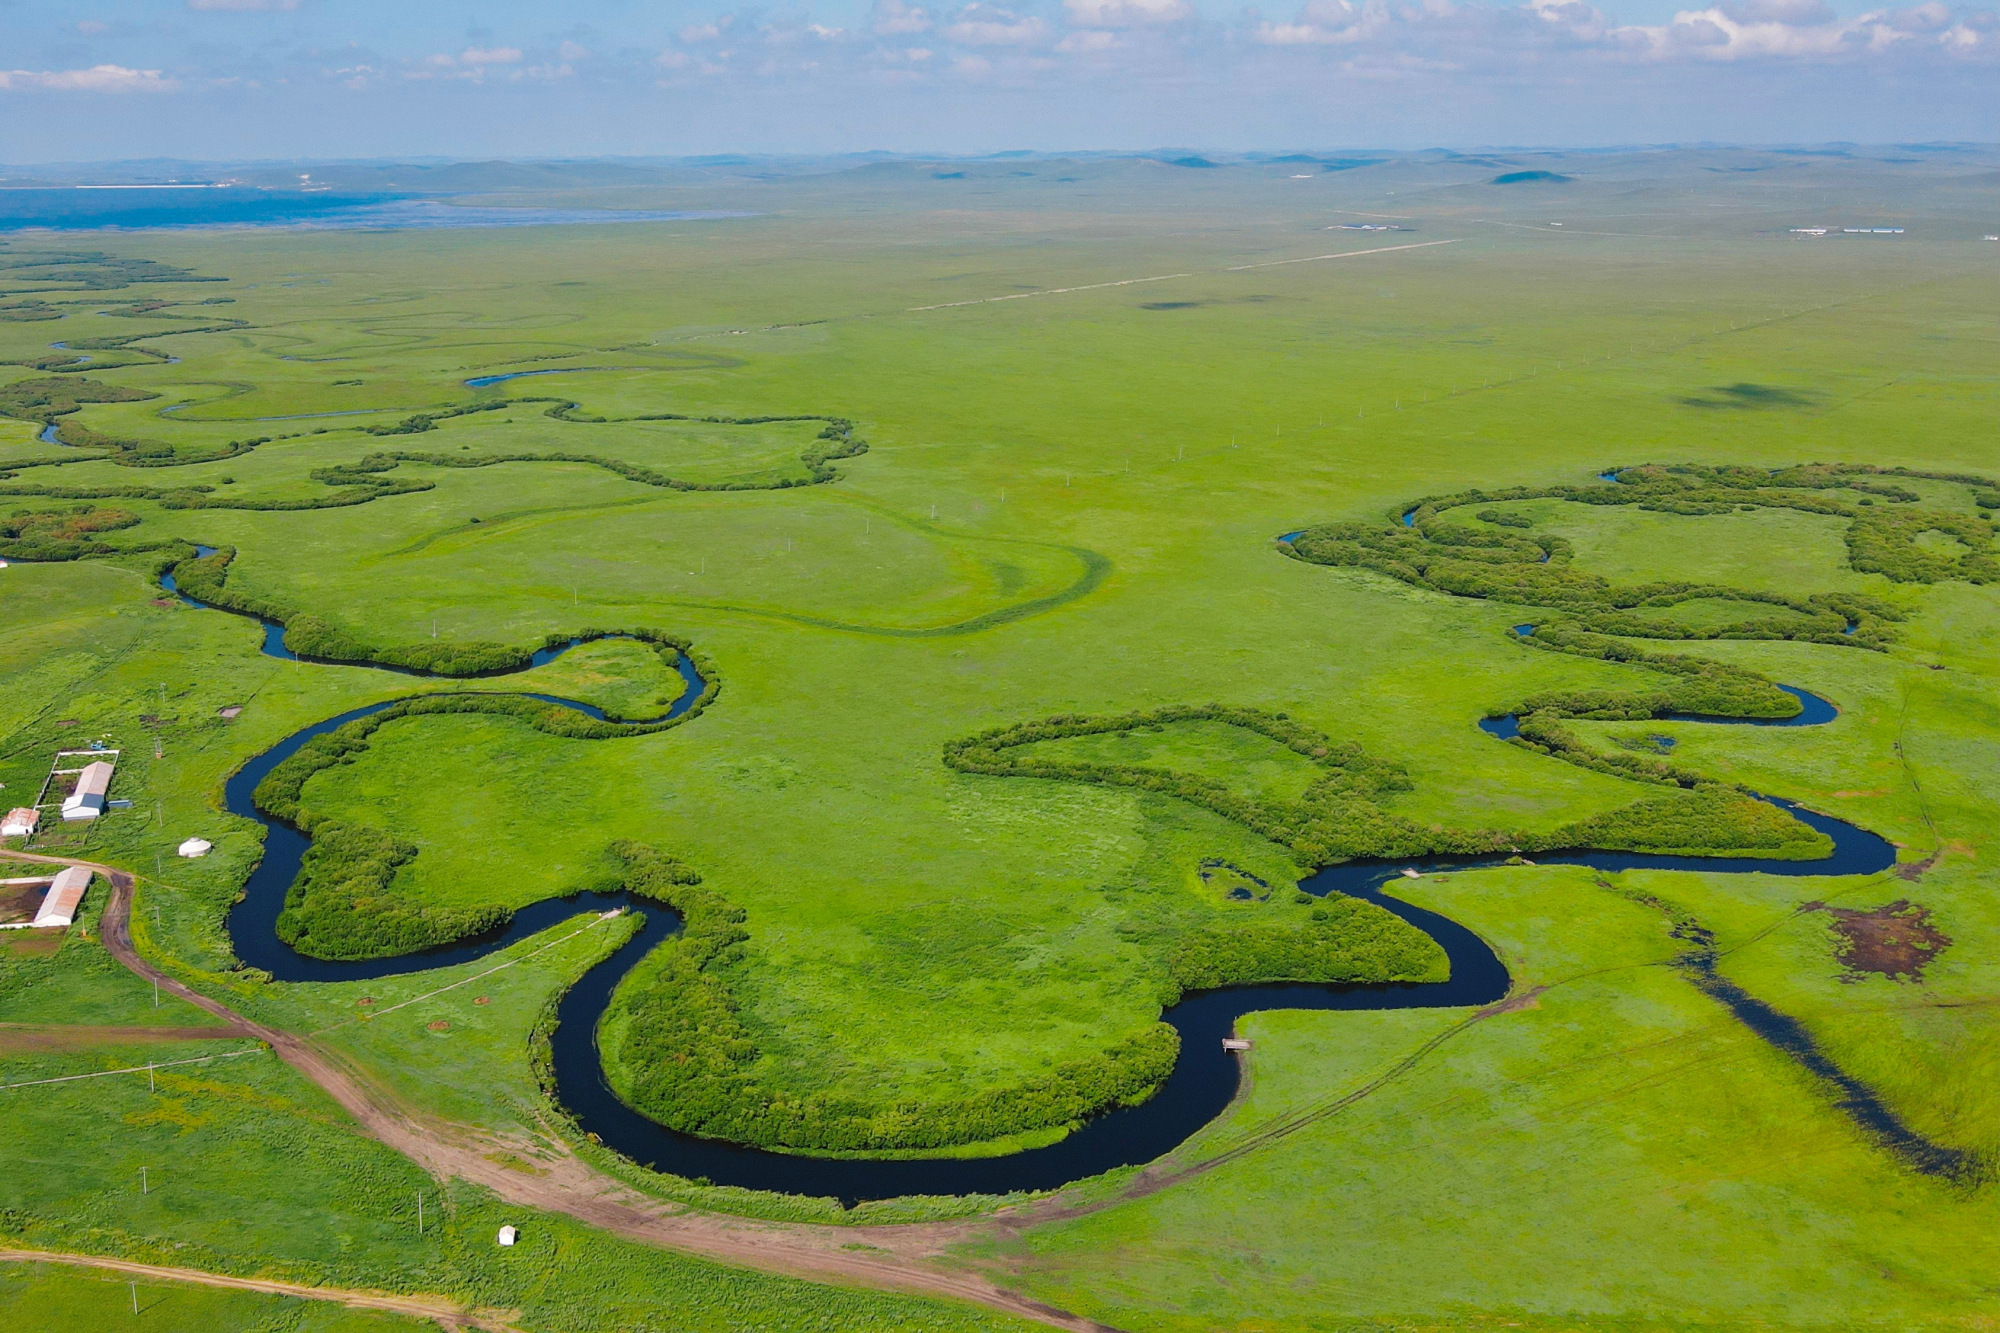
{"points": [[145, 1185], [420, 1212], [135, 1296]]}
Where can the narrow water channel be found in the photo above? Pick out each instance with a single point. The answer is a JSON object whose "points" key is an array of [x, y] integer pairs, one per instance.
{"points": [[1203, 1082]]}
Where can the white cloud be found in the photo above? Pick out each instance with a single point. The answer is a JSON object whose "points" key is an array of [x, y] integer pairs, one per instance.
{"points": [[571, 51], [1126, 13], [1339, 23], [702, 32], [490, 55], [1087, 40], [892, 17], [96, 79], [1796, 29], [1797, 13], [1442, 35], [980, 25]]}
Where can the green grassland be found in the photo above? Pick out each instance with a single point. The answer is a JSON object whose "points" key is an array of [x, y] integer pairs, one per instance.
{"points": [[1068, 504], [53, 1296]]}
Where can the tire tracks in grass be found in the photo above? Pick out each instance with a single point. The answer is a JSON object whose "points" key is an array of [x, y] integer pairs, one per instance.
{"points": [[438, 1309], [899, 1258]]}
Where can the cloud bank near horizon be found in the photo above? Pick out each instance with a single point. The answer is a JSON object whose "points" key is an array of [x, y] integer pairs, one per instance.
{"points": [[903, 74]]}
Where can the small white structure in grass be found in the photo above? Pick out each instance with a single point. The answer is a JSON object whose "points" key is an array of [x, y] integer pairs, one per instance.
{"points": [[194, 847], [508, 1235], [20, 822]]}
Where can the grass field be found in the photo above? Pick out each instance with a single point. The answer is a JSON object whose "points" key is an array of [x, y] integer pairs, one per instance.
{"points": [[1068, 504], [50, 1296]]}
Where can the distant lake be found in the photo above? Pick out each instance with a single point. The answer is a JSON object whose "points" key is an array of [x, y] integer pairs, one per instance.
{"points": [[92, 209]]}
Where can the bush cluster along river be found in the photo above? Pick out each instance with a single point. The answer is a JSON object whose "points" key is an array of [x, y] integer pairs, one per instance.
{"points": [[1200, 1087]]}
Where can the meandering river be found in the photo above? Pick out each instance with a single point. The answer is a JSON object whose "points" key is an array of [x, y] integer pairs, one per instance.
{"points": [[1201, 1086]]}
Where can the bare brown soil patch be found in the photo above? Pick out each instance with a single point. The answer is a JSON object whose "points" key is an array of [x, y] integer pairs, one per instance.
{"points": [[19, 902], [31, 943], [1895, 940]]}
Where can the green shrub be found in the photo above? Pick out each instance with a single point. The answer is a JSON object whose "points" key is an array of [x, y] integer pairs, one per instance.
{"points": [[61, 534], [1340, 939], [693, 1062], [340, 906]]}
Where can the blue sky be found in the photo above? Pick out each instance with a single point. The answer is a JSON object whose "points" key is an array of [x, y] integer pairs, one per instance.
{"points": [[81, 79]]}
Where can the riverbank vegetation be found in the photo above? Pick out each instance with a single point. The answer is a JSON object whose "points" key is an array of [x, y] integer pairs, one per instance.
{"points": [[1343, 814]]}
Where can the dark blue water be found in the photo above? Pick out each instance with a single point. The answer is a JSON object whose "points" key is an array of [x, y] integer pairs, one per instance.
{"points": [[274, 646], [1813, 712], [48, 435], [1201, 1086], [1293, 536], [72, 209], [482, 381], [1410, 519], [253, 921]]}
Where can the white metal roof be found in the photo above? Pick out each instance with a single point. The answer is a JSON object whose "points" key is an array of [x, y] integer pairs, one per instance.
{"points": [[65, 896]]}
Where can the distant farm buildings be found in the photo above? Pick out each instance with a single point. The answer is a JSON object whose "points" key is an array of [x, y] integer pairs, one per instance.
{"points": [[21, 822], [86, 799]]}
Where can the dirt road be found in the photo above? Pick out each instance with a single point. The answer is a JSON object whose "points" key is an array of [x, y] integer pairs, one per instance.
{"points": [[900, 1258], [445, 1313]]}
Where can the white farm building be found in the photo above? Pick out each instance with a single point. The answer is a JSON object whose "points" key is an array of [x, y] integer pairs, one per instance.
{"points": [[86, 801], [65, 897]]}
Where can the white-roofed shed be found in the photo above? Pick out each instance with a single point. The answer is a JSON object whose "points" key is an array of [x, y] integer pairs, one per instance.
{"points": [[64, 898], [86, 800]]}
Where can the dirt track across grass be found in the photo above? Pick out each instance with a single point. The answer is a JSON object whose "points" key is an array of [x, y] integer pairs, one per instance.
{"points": [[436, 1308], [901, 1258]]}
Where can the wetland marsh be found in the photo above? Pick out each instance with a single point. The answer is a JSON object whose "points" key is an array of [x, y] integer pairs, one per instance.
{"points": [[1016, 732]]}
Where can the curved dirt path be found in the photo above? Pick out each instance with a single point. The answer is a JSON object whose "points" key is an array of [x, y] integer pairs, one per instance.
{"points": [[447, 1314], [900, 1258]]}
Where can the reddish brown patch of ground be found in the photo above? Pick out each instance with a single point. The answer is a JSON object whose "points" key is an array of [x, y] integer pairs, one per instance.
{"points": [[31, 943], [1895, 941], [20, 902], [438, 1025]]}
